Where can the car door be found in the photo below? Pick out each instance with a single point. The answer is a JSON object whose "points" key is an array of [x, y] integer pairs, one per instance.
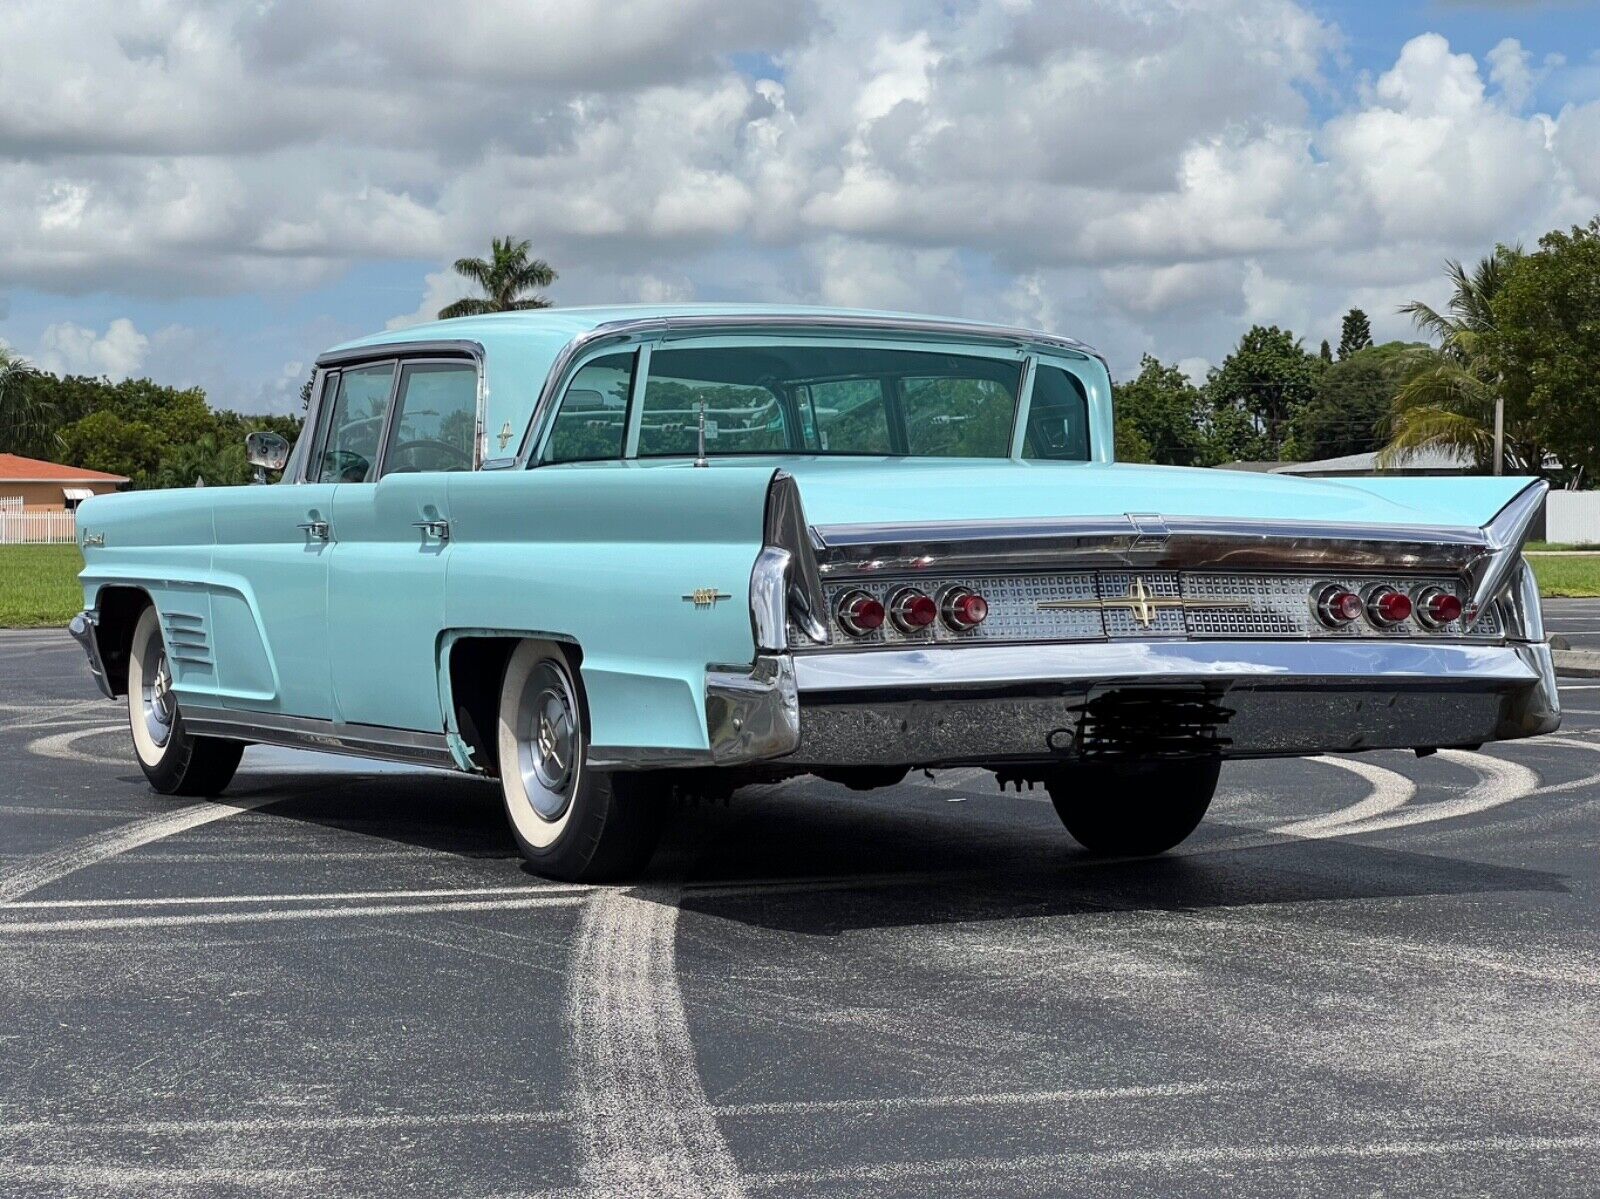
{"points": [[386, 584], [269, 601]]}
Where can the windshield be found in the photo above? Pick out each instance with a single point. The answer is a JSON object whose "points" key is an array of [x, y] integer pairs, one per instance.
{"points": [[821, 399]]}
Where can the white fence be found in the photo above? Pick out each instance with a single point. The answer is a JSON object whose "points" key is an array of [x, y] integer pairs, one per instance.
{"points": [[38, 528], [1572, 517]]}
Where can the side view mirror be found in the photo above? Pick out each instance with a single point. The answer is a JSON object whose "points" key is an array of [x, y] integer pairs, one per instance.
{"points": [[265, 452]]}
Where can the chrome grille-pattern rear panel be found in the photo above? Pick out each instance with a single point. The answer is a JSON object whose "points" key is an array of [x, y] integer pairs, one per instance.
{"points": [[1088, 605]]}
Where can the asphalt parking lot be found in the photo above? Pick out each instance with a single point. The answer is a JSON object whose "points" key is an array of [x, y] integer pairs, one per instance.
{"points": [[1375, 976]]}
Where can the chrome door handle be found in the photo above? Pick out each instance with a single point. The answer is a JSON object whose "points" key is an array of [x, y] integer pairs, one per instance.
{"points": [[434, 528], [315, 529]]}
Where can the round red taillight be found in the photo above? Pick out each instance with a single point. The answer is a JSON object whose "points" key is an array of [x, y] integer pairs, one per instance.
{"points": [[858, 613], [912, 610], [1386, 606], [1436, 608], [1336, 606], [963, 609]]}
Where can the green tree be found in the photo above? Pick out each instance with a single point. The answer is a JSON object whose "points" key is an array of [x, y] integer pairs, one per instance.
{"points": [[1349, 414], [1355, 333], [106, 441], [217, 463], [1265, 380], [1164, 412], [1448, 401], [1547, 346], [25, 412], [506, 277], [1326, 353]]}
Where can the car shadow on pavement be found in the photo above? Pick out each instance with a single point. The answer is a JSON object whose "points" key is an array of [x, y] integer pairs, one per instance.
{"points": [[815, 859], [828, 866]]}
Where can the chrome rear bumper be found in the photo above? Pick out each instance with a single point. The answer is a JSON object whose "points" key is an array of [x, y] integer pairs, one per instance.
{"points": [[1031, 703]]}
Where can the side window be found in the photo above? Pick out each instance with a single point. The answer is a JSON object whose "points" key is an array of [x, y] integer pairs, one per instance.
{"points": [[952, 417], [355, 425], [593, 418], [1058, 417], [848, 416], [436, 418], [744, 414]]}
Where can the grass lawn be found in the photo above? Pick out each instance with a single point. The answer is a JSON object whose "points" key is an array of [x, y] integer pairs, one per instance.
{"points": [[39, 585], [1571, 575]]}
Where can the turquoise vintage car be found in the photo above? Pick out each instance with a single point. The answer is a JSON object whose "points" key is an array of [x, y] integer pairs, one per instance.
{"points": [[601, 553]]}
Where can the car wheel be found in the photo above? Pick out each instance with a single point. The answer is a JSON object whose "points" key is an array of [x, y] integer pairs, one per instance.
{"points": [[175, 762], [1133, 809], [570, 822]]}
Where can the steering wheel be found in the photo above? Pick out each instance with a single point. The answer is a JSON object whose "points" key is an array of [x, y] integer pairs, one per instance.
{"points": [[454, 455], [344, 466]]}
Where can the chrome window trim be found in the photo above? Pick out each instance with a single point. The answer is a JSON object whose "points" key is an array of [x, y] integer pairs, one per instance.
{"points": [[440, 350], [641, 359], [404, 364], [662, 329]]}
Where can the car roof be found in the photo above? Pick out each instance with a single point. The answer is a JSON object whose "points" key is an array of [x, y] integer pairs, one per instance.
{"points": [[521, 348]]}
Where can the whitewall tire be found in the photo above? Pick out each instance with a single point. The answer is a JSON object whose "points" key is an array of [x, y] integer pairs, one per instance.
{"points": [[571, 822], [174, 762]]}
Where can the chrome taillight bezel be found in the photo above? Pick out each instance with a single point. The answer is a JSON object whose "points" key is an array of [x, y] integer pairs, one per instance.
{"points": [[954, 608], [846, 613], [1373, 598], [1325, 602], [912, 610]]}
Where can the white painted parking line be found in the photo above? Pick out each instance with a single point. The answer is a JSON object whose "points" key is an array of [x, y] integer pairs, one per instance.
{"points": [[292, 897], [389, 1121], [895, 1103], [32, 873], [649, 1129], [14, 928], [1089, 1162]]}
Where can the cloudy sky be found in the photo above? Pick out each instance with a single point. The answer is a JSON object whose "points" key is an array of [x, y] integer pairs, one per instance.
{"points": [[212, 191]]}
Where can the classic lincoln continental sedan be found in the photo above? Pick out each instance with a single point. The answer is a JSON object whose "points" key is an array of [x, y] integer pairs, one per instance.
{"points": [[606, 555]]}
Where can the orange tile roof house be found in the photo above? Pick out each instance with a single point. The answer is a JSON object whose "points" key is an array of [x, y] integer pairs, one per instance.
{"points": [[32, 485]]}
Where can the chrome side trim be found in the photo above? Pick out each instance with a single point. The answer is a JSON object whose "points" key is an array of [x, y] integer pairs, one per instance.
{"points": [[1146, 541], [667, 328], [302, 732], [752, 715], [786, 530], [1488, 578], [84, 628], [769, 585]]}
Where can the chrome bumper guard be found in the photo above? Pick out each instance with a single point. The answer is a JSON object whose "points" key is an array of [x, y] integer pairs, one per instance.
{"points": [[973, 705], [84, 628]]}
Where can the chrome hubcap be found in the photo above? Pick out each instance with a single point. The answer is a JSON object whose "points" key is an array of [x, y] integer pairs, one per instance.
{"points": [[160, 705], [548, 741]]}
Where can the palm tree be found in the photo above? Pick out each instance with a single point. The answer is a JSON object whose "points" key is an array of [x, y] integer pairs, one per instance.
{"points": [[505, 277], [24, 412], [1449, 402]]}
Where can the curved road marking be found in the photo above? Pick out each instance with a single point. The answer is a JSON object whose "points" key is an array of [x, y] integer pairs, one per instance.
{"points": [[1390, 790], [34, 872], [649, 1129], [1499, 782], [64, 745]]}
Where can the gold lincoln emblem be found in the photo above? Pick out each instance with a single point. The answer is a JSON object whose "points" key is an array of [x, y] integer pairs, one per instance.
{"points": [[706, 597], [1142, 604]]}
